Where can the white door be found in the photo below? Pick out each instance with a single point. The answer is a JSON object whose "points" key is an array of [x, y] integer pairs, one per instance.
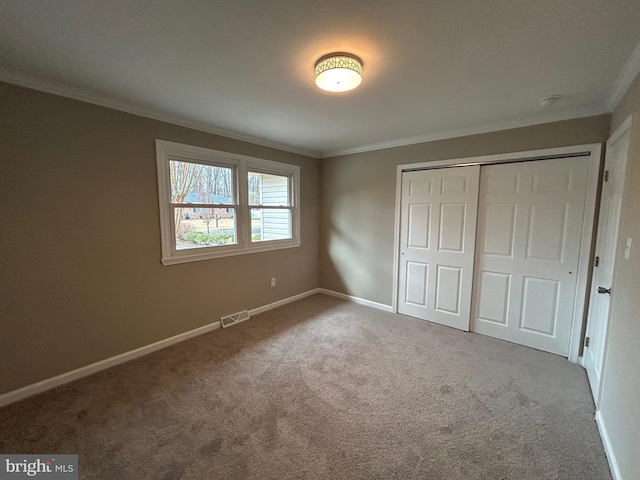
{"points": [[529, 233], [610, 204], [437, 237]]}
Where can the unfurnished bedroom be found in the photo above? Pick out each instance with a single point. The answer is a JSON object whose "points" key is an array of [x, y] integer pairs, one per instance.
{"points": [[320, 240]]}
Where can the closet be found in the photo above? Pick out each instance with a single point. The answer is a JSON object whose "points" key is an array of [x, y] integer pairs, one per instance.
{"points": [[499, 248]]}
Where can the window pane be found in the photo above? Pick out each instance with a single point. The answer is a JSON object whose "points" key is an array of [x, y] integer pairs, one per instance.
{"points": [[204, 227], [267, 189], [197, 183], [270, 224]]}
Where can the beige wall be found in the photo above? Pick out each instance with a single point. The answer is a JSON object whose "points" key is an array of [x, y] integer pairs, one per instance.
{"points": [[358, 198], [80, 274], [620, 407]]}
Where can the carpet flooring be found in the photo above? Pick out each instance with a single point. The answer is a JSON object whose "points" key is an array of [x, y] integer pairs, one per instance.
{"points": [[322, 389]]}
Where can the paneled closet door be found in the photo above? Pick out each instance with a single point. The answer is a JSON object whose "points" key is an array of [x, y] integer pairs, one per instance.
{"points": [[437, 237], [530, 220]]}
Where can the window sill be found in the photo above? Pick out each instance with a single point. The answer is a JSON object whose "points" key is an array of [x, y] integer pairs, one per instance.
{"points": [[196, 257]]}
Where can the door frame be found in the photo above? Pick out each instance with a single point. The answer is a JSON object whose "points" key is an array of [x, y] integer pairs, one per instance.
{"points": [[621, 130], [593, 154]]}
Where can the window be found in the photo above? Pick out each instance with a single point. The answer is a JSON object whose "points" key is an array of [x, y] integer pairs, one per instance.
{"points": [[270, 207], [216, 204]]}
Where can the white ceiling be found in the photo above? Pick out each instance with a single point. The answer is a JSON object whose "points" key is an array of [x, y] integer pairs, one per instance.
{"points": [[244, 68]]}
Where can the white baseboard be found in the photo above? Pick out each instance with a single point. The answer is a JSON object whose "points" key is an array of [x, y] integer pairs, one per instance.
{"points": [[608, 448], [53, 382], [361, 301], [284, 301]]}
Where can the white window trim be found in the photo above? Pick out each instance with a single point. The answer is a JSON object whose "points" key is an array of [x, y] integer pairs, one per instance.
{"points": [[166, 151]]}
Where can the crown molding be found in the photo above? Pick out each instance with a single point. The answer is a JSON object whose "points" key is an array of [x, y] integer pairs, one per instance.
{"points": [[465, 132], [48, 86], [625, 79], [632, 67]]}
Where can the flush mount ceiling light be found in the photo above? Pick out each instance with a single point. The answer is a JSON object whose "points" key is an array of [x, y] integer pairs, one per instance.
{"points": [[338, 72]]}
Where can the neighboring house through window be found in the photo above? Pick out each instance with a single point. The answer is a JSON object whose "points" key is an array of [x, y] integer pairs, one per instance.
{"points": [[215, 204]]}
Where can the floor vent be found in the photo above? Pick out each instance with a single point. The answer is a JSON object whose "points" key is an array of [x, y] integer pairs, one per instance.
{"points": [[234, 318]]}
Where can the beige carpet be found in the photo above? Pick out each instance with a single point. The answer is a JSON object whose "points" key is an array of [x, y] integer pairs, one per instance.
{"points": [[323, 389]]}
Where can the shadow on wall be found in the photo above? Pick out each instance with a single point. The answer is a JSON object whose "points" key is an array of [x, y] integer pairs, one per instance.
{"points": [[358, 212], [353, 259]]}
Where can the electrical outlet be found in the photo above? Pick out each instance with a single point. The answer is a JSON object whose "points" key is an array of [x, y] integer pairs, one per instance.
{"points": [[273, 282]]}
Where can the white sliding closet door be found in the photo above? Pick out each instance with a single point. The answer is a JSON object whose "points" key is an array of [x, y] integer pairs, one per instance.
{"points": [[437, 238], [528, 246]]}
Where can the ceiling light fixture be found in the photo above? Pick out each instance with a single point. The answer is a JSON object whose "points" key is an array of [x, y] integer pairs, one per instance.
{"points": [[338, 72]]}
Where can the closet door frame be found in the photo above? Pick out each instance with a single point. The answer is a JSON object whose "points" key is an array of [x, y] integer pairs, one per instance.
{"points": [[592, 153]]}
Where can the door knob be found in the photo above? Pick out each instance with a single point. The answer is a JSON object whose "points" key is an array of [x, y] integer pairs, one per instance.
{"points": [[604, 290]]}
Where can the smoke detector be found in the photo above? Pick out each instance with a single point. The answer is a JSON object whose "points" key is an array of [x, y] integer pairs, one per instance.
{"points": [[548, 101]]}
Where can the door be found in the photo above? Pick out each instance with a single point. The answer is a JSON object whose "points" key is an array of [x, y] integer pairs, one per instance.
{"points": [[529, 234], [610, 205], [437, 236]]}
